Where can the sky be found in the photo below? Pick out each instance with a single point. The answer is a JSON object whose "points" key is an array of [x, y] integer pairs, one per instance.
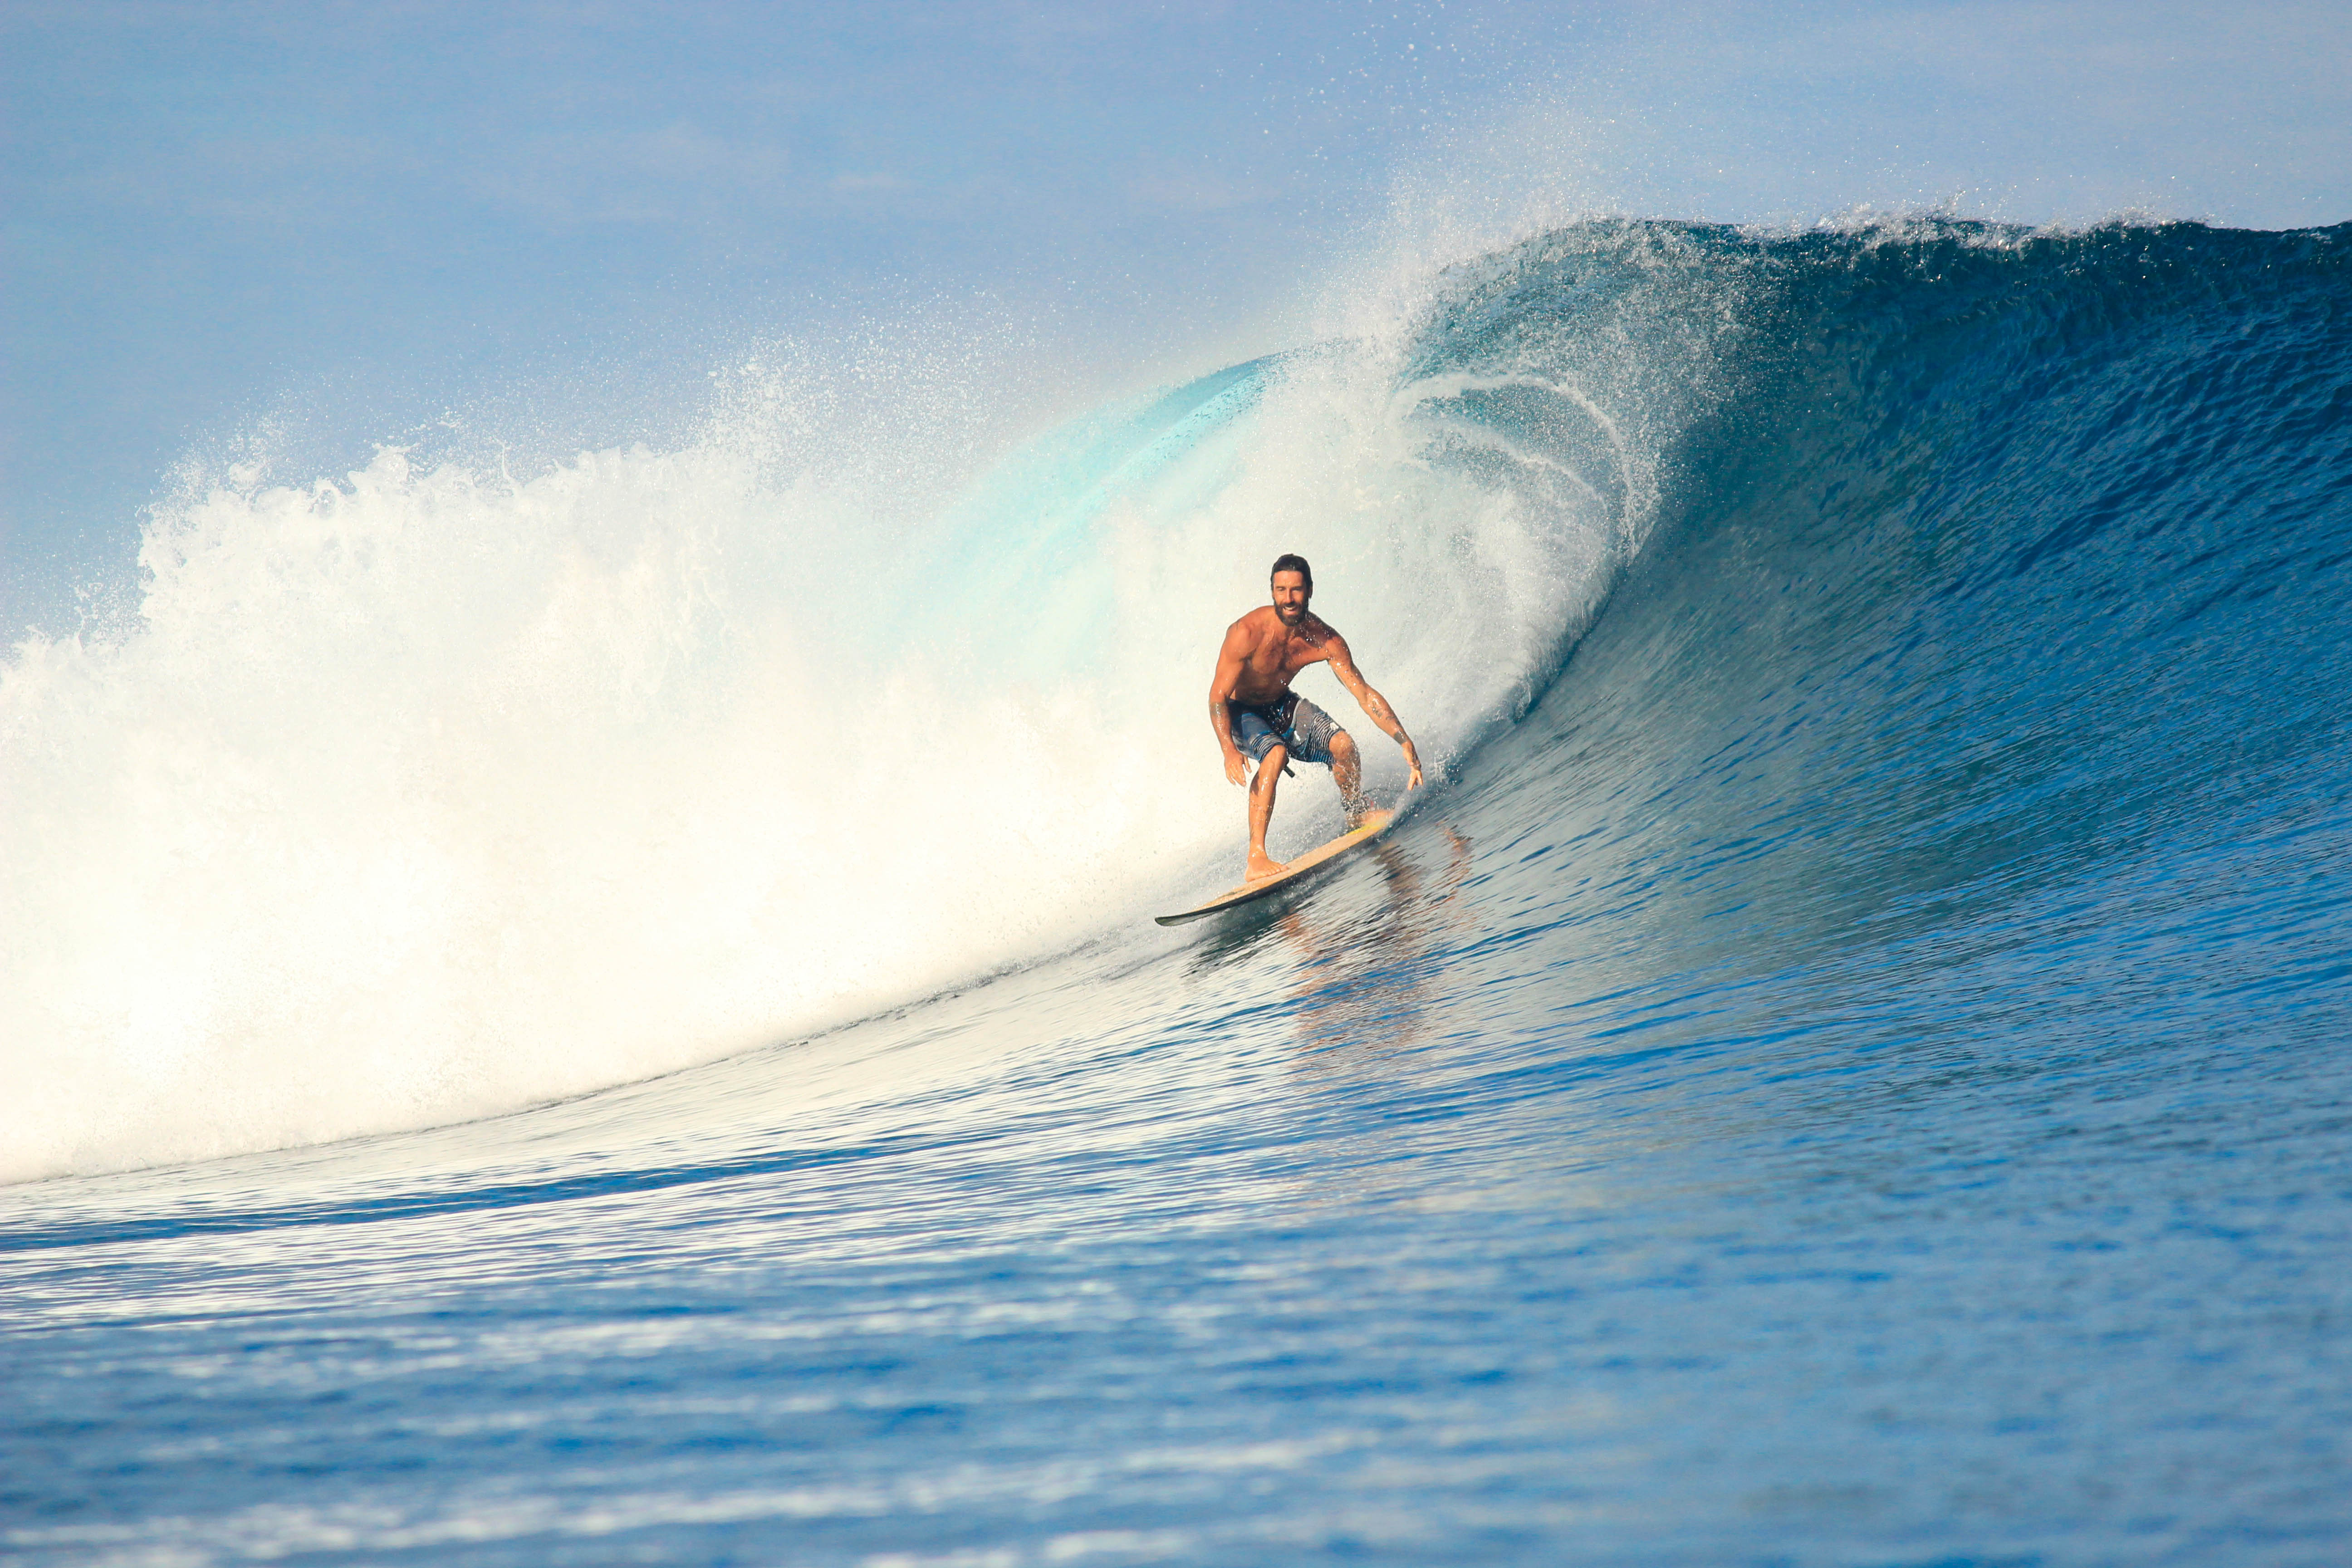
{"points": [[337, 222]]}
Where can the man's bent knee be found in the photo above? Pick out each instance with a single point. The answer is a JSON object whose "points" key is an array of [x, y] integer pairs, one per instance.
{"points": [[1270, 766], [1343, 747]]}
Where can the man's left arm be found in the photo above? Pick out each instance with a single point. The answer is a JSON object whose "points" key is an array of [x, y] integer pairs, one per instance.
{"points": [[1375, 706]]}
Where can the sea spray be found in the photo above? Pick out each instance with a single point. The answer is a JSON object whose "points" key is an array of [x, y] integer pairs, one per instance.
{"points": [[428, 792]]}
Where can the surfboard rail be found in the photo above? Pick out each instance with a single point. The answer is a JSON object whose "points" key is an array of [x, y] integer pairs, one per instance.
{"points": [[1375, 822]]}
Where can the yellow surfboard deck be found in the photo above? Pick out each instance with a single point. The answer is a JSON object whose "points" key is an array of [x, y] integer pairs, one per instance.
{"points": [[1375, 824]]}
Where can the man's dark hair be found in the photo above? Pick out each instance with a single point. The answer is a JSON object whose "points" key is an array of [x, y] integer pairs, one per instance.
{"points": [[1293, 564]]}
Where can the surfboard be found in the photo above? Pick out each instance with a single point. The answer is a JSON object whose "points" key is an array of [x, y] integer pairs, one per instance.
{"points": [[1375, 822]]}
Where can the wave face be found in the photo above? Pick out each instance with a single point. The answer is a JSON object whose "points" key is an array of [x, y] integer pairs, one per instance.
{"points": [[1847, 1068], [2007, 578]]}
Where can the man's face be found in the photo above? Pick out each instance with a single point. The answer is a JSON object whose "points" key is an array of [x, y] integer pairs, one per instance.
{"points": [[1291, 597]]}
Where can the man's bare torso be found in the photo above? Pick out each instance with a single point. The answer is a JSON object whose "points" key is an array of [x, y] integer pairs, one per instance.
{"points": [[1277, 653]]}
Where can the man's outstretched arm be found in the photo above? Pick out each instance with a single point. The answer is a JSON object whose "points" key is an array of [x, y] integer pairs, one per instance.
{"points": [[1221, 691], [1375, 706]]}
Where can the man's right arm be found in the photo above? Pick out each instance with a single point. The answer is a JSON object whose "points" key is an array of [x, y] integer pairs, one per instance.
{"points": [[1221, 691]]}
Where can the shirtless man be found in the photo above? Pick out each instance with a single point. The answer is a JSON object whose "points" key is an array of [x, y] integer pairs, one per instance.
{"points": [[1253, 711]]}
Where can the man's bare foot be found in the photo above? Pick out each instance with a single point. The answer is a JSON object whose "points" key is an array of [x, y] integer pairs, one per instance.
{"points": [[1261, 867]]}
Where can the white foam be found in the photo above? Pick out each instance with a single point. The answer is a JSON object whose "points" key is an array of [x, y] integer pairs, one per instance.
{"points": [[420, 794]]}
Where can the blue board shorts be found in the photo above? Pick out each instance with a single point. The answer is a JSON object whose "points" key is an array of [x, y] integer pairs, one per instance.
{"points": [[1290, 721]]}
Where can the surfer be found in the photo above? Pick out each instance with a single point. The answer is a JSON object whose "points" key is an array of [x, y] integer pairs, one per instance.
{"points": [[1254, 712]]}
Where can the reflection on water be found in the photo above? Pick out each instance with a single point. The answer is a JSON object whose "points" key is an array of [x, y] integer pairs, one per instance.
{"points": [[1362, 976], [1365, 981]]}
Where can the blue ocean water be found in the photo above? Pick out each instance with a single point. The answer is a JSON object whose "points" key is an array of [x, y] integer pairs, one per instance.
{"points": [[1848, 1067]]}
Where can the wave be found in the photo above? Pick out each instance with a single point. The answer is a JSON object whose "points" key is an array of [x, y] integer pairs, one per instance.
{"points": [[428, 793]]}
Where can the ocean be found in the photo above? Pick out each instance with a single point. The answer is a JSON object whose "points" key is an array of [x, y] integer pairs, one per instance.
{"points": [[609, 1013]]}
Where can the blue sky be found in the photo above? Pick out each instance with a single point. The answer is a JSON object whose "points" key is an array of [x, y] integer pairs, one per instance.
{"points": [[351, 216]]}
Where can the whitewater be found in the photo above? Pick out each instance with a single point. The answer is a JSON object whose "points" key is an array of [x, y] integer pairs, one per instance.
{"points": [[604, 1009]]}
